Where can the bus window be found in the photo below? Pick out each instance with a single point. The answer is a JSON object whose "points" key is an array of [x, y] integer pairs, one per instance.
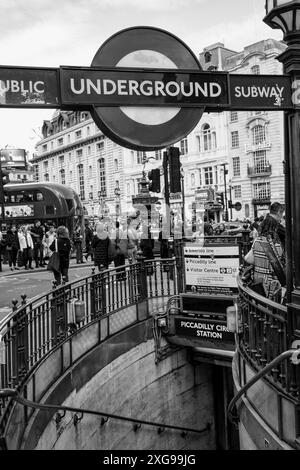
{"points": [[39, 196], [50, 210], [19, 197]]}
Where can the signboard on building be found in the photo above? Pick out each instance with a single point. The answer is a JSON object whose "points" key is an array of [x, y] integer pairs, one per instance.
{"points": [[13, 158], [19, 211], [211, 269], [204, 329]]}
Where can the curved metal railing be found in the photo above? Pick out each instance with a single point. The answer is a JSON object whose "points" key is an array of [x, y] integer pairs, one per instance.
{"points": [[264, 336], [35, 328]]}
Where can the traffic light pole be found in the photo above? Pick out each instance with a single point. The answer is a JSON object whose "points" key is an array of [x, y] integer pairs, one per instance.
{"points": [[225, 192], [166, 182]]}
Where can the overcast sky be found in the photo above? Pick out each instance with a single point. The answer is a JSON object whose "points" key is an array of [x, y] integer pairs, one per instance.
{"points": [[69, 32]]}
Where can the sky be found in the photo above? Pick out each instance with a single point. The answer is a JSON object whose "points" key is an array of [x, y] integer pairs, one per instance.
{"points": [[68, 32]]}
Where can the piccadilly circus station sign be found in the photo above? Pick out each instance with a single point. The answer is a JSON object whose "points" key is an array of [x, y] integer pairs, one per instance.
{"points": [[145, 89]]}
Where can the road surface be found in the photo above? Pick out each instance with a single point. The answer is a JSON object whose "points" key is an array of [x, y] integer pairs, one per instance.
{"points": [[30, 283]]}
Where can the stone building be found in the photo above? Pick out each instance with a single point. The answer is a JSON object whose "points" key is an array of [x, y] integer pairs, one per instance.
{"points": [[248, 145]]}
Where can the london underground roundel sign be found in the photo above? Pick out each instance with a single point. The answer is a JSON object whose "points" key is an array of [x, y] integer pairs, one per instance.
{"points": [[146, 127]]}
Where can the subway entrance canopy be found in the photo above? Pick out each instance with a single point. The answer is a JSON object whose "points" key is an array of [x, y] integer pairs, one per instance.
{"points": [[145, 89]]}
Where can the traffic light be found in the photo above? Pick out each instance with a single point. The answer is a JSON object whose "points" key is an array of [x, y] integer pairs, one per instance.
{"points": [[154, 178], [220, 198], [175, 170]]}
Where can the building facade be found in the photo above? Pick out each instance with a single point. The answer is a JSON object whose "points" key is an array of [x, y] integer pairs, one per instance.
{"points": [[243, 148]]}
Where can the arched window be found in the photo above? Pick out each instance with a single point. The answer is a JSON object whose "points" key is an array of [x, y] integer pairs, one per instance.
{"points": [[102, 176], [258, 134], [208, 138]]}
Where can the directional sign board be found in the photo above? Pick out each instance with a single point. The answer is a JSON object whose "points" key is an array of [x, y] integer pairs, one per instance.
{"points": [[211, 269]]}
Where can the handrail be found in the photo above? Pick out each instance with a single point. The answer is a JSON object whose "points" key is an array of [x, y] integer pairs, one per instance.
{"points": [[260, 298], [295, 353], [35, 328], [11, 393]]}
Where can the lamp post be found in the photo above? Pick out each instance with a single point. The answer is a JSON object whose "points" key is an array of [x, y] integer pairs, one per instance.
{"points": [[223, 165], [285, 15]]}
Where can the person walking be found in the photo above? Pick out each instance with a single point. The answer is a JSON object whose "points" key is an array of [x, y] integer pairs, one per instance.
{"points": [[77, 240], [88, 242], [37, 233], [12, 247], [49, 238], [120, 242], [100, 244], [132, 240], [26, 246], [268, 261], [62, 245]]}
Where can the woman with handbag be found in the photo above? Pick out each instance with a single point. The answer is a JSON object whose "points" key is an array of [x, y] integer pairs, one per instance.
{"points": [[100, 245], [12, 246], [62, 246], [267, 257]]}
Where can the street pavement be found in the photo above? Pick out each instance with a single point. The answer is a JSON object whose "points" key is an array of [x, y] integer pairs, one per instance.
{"points": [[32, 283]]}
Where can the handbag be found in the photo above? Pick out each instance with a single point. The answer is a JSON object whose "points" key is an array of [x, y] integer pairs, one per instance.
{"points": [[249, 257], [54, 261]]}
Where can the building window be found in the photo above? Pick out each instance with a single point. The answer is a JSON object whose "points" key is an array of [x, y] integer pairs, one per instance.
{"points": [[198, 143], [69, 138], [71, 175], [46, 165], [89, 150], [100, 146], [184, 146], [46, 176], [235, 141], [132, 157], [237, 191], [102, 176], [116, 164], [81, 181], [88, 131], [36, 173], [258, 134], [157, 154], [236, 167], [262, 190], [90, 171], [260, 161], [60, 142], [141, 157], [79, 153], [52, 145], [53, 178], [208, 175], [52, 161], [255, 70], [208, 137], [62, 177], [207, 57], [44, 148], [233, 116], [61, 159], [78, 135], [70, 156], [192, 180]]}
